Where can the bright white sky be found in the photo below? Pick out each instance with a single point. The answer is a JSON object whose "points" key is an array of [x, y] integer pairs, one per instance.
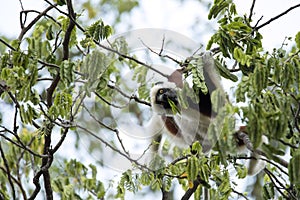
{"points": [[171, 14]]}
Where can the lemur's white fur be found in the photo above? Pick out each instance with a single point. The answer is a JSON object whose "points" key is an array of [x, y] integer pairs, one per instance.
{"points": [[193, 126]]}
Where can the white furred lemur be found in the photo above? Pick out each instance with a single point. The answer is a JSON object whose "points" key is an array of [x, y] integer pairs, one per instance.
{"points": [[191, 124]]}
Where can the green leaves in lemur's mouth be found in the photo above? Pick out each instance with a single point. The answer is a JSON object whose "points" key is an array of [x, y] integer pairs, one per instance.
{"points": [[174, 107]]}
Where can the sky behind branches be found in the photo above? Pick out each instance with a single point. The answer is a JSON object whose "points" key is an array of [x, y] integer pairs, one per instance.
{"points": [[179, 17]]}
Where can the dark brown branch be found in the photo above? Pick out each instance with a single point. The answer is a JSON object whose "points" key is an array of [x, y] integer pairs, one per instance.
{"points": [[60, 142], [239, 193], [25, 12], [111, 49], [69, 30], [275, 18], [6, 44], [46, 162], [36, 178], [160, 54], [134, 161], [165, 194], [109, 103], [15, 119], [8, 172], [251, 10], [21, 144], [32, 23], [192, 190], [275, 180], [17, 182], [133, 96], [21, 4]]}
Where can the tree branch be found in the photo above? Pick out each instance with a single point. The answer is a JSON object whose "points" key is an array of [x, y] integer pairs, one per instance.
{"points": [[8, 172], [46, 162], [243, 137], [32, 23], [133, 96], [21, 144], [111, 49], [192, 190], [251, 10], [165, 194], [17, 182], [255, 28]]}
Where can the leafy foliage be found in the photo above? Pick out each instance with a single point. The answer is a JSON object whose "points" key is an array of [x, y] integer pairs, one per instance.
{"points": [[49, 75], [75, 180]]}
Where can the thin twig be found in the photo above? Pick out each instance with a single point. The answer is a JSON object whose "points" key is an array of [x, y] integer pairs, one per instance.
{"points": [[60, 142], [239, 193], [160, 54], [274, 180], [33, 22], [21, 144], [17, 182], [275, 18], [108, 48], [21, 4], [134, 161], [8, 172], [133, 96], [251, 10], [109, 103]]}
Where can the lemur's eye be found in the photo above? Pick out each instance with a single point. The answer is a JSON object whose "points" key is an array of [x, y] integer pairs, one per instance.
{"points": [[161, 91]]}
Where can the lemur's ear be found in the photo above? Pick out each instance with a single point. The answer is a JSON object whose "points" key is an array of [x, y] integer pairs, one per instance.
{"points": [[176, 77]]}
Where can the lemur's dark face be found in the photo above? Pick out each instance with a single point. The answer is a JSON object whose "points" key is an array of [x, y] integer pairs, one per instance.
{"points": [[164, 96]]}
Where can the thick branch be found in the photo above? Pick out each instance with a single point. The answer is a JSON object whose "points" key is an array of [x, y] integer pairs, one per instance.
{"points": [[191, 191], [46, 162]]}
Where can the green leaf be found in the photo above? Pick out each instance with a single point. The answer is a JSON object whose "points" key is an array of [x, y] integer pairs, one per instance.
{"points": [[297, 40], [174, 107], [224, 72], [98, 31], [241, 57], [49, 33], [66, 72], [218, 100], [192, 168], [268, 191], [146, 178], [60, 2], [95, 68], [196, 66], [157, 162], [196, 147], [217, 8], [242, 171], [61, 105], [294, 166]]}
